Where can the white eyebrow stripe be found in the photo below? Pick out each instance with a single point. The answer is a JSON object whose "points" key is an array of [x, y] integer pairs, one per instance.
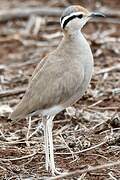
{"points": [[72, 14]]}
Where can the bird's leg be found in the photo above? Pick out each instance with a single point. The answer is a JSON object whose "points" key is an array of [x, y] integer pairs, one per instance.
{"points": [[47, 153], [28, 131], [52, 162], [39, 128]]}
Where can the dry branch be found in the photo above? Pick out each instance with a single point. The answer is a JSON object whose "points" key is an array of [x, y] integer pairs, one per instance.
{"points": [[109, 11], [12, 92], [106, 70], [107, 20], [18, 158], [84, 150], [18, 13]]}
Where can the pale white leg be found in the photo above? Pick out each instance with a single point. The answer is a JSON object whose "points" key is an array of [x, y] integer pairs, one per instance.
{"points": [[39, 128], [47, 158], [52, 162], [28, 131]]}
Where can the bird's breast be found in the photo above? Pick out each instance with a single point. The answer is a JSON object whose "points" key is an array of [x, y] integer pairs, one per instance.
{"points": [[87, 63]]}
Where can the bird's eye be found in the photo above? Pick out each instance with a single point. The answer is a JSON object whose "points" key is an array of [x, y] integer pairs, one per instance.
{"points": [[80, 16]]}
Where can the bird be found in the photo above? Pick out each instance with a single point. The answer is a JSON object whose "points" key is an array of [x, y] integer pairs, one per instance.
{"points": [[61, 77]]}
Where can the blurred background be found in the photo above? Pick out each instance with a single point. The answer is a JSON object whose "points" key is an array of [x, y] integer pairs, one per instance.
{"points": [[29, 29]]}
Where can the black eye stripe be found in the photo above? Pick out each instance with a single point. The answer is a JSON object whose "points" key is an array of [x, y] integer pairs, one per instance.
{"points": [[67, 20], [70, 18], [61, 18]]}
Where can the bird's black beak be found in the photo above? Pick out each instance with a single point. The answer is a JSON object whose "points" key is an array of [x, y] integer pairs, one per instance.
{"points": [[96, 14]]}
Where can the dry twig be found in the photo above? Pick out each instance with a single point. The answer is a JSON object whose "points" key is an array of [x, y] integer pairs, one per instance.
{"points": [[12, 92], [104, 166]]}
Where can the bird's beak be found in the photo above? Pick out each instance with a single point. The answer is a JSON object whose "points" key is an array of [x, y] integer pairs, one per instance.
{"points": [[96, 14]]}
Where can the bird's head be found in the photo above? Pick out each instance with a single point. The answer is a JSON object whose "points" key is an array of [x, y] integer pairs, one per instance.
{"points": [[75, 17]]}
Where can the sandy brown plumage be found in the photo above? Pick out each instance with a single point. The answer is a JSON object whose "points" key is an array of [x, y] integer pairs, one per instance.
{"points": [[53, 83]]}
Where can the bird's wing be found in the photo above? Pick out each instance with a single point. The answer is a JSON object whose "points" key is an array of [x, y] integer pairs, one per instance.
{"points": [[38, 67], [53, 84]]}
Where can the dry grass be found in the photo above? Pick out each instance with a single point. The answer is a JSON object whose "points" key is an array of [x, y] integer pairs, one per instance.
{"points": [[86, 136]]}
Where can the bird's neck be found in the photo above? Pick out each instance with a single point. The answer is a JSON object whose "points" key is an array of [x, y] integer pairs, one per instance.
{"points": [[74, 41], [72, 34], [75, 47]]}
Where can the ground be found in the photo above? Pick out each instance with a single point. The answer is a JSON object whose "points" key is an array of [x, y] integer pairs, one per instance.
{"points": [[85, 135]]}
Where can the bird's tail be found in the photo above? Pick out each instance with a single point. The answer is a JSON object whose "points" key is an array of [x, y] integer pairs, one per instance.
{"points": [[18, 114]]}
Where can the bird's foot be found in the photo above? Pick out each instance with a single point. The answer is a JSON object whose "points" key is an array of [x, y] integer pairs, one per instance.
{"points": [[56, 172]]}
